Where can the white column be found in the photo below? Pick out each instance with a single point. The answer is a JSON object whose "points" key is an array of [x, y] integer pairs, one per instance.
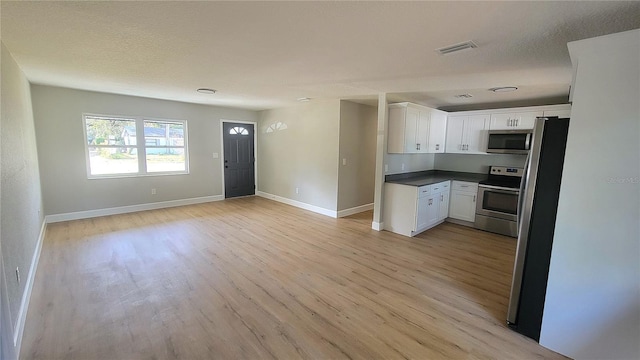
{"points": [[381, 152]]}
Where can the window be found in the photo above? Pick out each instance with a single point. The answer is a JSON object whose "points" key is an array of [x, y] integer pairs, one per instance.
{"points": [[237, 130], [115, 147]]}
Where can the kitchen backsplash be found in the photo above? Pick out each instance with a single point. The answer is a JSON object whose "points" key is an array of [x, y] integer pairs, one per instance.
{"points": [[412, 162], [472, 163], [476, 163]]}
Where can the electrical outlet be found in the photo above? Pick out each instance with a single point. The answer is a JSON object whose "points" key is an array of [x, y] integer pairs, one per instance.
{"points": [[153, 191], [386, 167], [297, 191], [18, 275], [344, 161], [215, 155], [402, 168]]}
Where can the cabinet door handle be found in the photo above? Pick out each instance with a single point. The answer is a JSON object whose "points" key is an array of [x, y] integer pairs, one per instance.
{"points": [[441, 197], [517, 122], [474, 198], [509, 122]]}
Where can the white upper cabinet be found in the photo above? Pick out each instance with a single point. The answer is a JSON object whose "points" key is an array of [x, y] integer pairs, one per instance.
{"points": [[415, 129], [514, 121], [559, 113], [437, 131], [467, 134]]}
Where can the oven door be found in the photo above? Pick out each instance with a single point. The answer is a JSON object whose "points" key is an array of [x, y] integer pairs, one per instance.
{"points": [[497, 202]]}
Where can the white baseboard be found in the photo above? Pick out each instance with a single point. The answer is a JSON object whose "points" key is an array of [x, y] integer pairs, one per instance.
{"points": [[298, 204], [26, 296], [131, 208], [378, 226], [355, 210]]}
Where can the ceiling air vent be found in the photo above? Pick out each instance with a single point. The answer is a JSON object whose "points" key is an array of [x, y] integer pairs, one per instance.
{"points": [[457, 47], [463, 96]]}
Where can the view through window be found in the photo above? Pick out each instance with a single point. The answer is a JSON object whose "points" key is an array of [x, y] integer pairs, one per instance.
{"points": [[119, 146]]}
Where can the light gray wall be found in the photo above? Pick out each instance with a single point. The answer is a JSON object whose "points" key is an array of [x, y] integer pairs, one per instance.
{"points": [[58, 118], [20, 195], [304, 155], [476, 163], [592, 307], [358, 130], [412, 162]]}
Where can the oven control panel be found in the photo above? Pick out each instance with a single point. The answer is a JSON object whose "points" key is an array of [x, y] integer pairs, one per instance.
{"points": [[506, 171]]}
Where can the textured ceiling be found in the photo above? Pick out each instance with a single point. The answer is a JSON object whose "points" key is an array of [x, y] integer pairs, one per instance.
{"points": [[261, 55]]}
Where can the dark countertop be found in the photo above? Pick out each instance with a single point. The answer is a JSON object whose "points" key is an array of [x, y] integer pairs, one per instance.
{"points": [[428, 177]]}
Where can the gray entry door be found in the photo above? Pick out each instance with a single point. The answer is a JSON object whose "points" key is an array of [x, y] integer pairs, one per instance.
{"points": [[239, 171]]}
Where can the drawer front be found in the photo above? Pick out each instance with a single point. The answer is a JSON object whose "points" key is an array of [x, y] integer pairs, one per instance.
{"points": [[464, 186], [424, 191], [440, 187]]}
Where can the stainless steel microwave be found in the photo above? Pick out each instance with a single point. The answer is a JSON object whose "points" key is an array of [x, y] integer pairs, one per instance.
{"points": [[509, 141]]}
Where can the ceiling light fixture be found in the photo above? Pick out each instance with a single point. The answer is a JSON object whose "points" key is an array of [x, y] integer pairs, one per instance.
{"points": [[457, 47], [303, 99], [504, 89], [206, 91]]}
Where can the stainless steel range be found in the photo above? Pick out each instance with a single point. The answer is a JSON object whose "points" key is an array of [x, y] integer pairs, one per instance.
{"points": [[497, 205]]}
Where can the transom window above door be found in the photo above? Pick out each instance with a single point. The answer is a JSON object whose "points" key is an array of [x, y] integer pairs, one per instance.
{"points": [[238, 130]]}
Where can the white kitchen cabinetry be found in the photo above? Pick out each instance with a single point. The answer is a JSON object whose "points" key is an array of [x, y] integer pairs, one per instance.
{"points": [[443, 206], [437, 131], [559, 113], [415, 129], [514, 121], [410, 210], [463, 201], [467, 134]]}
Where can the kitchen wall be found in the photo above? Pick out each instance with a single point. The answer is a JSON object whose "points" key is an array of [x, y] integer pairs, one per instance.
{"points": [[411, 162], [592, 307], [298, 147], [358, 129], [20, 195], [66, 189], [476, 163]]}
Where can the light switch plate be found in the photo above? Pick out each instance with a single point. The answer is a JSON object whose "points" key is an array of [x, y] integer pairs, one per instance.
{"points": [[215, 155]]}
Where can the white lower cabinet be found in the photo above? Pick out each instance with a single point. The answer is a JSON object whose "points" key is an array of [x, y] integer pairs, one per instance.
{"points": [[443, 208], [463, 201], [409, 210]]}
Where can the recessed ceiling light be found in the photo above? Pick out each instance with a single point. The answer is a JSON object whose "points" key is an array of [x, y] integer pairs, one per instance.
{"points": [[206, 91], [463, 96], [504, 89], [303, 99]]}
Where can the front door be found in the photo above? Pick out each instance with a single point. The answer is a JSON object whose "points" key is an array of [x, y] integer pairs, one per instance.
{"points": [[239, 171]]}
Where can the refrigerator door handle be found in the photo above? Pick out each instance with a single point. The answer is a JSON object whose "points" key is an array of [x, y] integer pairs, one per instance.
{"points": [[523, 183]]}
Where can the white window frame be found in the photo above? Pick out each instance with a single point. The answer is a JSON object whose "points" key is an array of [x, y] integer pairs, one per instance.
{"points": [[140, 146]]}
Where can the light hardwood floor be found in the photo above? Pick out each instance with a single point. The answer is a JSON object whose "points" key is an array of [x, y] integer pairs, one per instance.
{"points": [[251, 278]]}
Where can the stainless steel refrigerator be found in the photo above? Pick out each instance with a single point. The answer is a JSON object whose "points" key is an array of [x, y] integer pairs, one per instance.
{"points": [[537, 208]]}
